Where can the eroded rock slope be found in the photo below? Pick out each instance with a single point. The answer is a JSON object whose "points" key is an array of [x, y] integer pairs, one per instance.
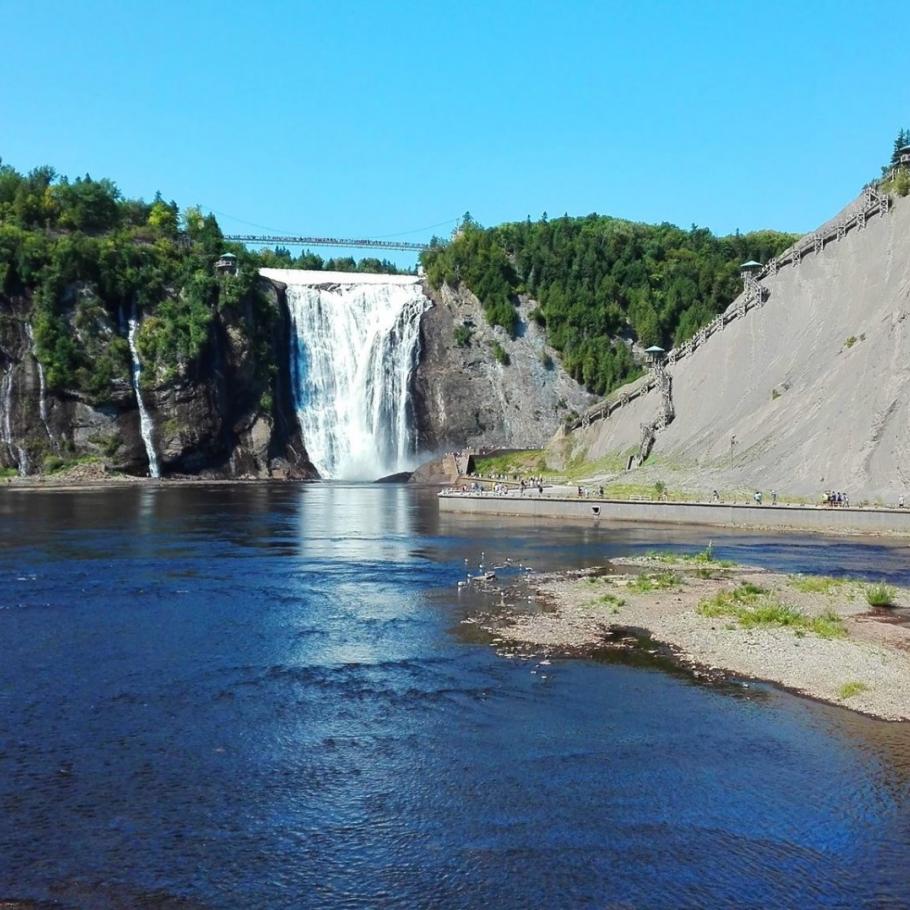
{"points": [[809, 391], [465, 397]]}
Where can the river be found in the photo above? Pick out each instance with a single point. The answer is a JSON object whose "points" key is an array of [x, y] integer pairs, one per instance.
{"points": [[260, 695]]}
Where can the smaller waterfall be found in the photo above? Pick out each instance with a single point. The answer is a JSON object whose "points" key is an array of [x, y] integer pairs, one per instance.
{"points": [[42, 384], [16, 452], [145, 421], [7, 399], [23, 461]]}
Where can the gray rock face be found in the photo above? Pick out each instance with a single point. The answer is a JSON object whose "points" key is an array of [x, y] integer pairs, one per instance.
{"points": [[464, 397], [214, 420], [810, 391]]}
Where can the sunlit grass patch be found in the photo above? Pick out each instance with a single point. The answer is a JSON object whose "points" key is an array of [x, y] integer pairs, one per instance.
{"points": [[752, 607], [607, 600], [880, 595], [816, 584], [771, 614], [849, 689], [524, 461], [748, 593], [654, 581], [703, 558]]}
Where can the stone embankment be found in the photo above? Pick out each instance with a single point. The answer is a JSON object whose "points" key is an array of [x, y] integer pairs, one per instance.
{"points": [[730, 515]]}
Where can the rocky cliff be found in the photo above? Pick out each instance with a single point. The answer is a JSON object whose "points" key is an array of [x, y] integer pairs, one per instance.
{"points": [[227, 413], [475, 386], [807, 391]]}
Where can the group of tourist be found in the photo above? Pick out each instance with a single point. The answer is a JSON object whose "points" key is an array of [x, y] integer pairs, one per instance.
{"points": [[535, 483], [833, 499], [587, 492], [473, 488]]}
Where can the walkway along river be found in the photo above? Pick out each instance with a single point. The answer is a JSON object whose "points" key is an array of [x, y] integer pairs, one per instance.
{"points": [[734, 515]]}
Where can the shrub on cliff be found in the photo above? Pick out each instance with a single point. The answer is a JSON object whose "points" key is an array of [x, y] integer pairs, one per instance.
{"points": [[500, 353]]}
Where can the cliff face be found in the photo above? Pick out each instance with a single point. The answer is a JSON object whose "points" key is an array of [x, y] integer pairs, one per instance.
{"points": [[225, 415], [806, 392], [465, 397]]}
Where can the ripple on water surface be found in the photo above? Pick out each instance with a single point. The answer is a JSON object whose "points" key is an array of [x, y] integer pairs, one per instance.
{"points": [[251, 696]]}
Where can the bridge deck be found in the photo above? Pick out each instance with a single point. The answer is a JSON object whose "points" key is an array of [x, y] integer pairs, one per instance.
{"points": [[279, 240]]}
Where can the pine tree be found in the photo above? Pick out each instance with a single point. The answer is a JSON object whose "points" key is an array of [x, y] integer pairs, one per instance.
{"points": [[902, 140]]}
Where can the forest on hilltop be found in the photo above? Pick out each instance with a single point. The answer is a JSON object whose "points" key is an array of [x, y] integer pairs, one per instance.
{"points": [[85, 259], [598, 280]]}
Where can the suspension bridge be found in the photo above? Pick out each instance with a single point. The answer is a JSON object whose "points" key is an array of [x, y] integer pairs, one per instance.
{"points": [[280, 240]]}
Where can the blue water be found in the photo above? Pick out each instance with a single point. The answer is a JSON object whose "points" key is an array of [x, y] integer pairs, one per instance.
{"points": [[259, 697]]}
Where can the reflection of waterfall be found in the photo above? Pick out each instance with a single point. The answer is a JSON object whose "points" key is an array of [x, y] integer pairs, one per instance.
{"points": [[145, 420], [354, 350]]}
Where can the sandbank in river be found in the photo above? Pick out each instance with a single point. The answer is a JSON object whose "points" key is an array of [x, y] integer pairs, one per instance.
{"points": [[816, 636]]}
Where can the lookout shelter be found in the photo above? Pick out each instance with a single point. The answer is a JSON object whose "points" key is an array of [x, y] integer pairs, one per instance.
{"points": [[750, 267], [656, 353], [226, 264]]}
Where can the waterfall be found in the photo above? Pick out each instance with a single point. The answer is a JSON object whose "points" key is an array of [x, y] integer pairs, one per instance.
{"points": [[355, 345], [16, 452], [42, 385], [7, 398], [145, 421]]}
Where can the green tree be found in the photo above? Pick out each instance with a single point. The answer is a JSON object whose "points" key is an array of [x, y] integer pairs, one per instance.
{"points": [[163, 218]]}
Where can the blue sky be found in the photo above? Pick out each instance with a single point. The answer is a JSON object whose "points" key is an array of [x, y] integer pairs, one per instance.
{"points": [[355, 118]]}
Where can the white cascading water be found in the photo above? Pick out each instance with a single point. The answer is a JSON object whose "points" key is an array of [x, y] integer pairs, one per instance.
{"points": [[16, 452], [7, 400], [146, 426], [355, 345], [42, 385]]}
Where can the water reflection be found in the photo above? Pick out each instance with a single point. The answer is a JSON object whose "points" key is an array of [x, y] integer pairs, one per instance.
{"points": [[250, 695]]}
